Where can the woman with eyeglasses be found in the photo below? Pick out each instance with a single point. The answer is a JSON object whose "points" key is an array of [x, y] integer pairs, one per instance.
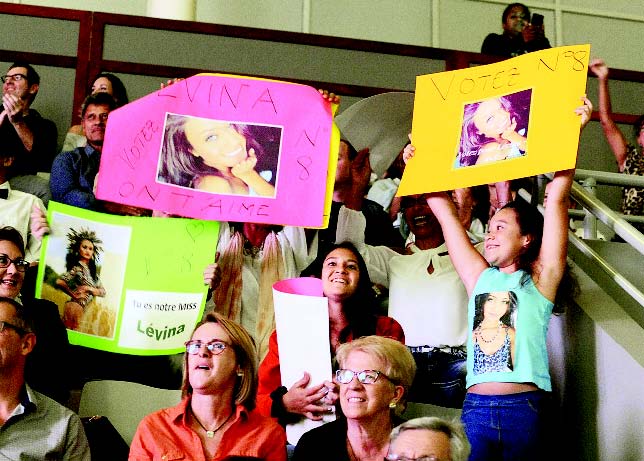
{"points": [[374, 376], [352, 314], [215, 420]]}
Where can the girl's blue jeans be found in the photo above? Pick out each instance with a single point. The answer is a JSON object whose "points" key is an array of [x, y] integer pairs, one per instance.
{"points": [[506, 427]]}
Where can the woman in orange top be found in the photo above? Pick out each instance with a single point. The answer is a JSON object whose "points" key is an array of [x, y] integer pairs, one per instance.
{"points": [[215, 419]]}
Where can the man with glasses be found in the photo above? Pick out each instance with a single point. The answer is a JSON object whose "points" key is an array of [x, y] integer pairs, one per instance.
{"points": [[73, 173], [32, 426], [24, 133], [428, 439]]}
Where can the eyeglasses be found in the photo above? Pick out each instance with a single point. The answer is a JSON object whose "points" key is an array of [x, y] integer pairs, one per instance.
{"points": [[20, 263], [392, 457], [214, 347], [14, 77], [344, 376], [4, 325]]}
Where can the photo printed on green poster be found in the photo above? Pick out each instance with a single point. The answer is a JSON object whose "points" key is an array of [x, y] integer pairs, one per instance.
{"points": [[126, 284]]}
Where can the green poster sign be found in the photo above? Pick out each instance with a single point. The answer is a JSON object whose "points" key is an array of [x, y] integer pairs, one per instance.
{"points": [[126, 284]]}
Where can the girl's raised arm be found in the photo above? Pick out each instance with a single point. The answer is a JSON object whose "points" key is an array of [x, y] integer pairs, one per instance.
{"points": [[551, 262], [468, 262]]}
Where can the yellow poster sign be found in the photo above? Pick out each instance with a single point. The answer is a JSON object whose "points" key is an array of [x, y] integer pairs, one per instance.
{"points": [[496, 122]]}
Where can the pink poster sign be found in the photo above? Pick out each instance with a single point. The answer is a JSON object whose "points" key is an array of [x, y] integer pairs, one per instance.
{"points": [[222, 148]]}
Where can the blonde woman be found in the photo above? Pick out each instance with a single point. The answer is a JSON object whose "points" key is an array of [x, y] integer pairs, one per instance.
{"points": [[374, 376]]}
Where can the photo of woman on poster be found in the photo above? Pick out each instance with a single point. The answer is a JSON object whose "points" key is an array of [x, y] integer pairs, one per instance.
{"points": [[81, 280], [220, 157], [494, 129], [493, 333]]}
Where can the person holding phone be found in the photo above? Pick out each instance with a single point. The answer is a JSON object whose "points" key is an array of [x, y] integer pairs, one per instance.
{"points": [[520, 33]]}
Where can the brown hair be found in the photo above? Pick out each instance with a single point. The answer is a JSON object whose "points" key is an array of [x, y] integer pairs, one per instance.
{"points": [[246, 355], [11, 234]]}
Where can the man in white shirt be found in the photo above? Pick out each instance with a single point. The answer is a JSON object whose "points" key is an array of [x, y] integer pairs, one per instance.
{"points": [[16, 208]]}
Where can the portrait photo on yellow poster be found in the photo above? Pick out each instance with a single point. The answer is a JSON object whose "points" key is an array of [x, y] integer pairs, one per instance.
{"points": [[497, 122]]}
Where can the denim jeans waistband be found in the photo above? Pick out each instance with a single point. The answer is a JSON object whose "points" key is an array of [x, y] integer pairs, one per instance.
{"points": [[500, 399]]}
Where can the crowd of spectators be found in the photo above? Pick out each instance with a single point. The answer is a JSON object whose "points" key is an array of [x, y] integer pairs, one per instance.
{"points": [[422, 311]]}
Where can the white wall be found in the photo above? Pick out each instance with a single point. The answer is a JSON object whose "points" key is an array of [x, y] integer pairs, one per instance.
{"points": [[597, 366], [614, 28], [135, 7]]}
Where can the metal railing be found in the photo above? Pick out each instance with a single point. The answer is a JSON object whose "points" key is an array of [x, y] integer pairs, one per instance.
{"points": [[615, 221], [595, 209]]}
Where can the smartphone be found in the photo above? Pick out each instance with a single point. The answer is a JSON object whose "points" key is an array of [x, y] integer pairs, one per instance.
{"points": [[537, 20]]}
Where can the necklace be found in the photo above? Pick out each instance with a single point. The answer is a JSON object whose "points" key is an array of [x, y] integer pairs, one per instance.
{"points": [[479, 334], [211, 434]]}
